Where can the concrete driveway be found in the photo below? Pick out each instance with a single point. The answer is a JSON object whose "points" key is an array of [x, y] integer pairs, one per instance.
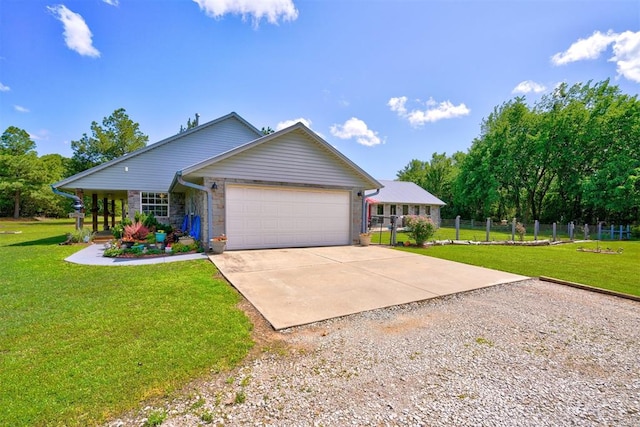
{"points": [[292, 287]]}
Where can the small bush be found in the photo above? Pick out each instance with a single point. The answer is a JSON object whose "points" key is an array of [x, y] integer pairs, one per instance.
{"points": [[83, 235], [113, 252], [421, 228], [135, 231], [635, 231]]}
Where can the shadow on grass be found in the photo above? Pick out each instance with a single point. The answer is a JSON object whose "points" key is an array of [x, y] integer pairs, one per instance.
{"points": [[48, 241]]}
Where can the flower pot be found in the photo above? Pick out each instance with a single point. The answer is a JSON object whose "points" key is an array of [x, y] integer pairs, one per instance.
{"points": [[365, 239], [218, 246], [160, 237]]}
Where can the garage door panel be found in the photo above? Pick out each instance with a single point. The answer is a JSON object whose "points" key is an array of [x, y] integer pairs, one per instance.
{"points": [[271, 217]]}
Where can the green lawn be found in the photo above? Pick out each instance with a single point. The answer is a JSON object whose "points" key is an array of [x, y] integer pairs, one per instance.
{"points": [[620, 273], [81, 344]]}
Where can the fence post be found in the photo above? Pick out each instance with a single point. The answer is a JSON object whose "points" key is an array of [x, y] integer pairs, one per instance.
{"points": [[554, 231], [628, 232], [599, 231], [488, 228], [458, 227], [621, 231], [612, 233], [586, 232], [536, 226], [513, 230], [570, 226], [394, 226]]}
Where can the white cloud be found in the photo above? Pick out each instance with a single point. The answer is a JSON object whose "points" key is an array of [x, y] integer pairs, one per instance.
{"points": [[4, 88], [589, 48], [626, 55], [356, 128], [20, 109], [434, 112], [529, 86], [287, 123], [397, 105], [77, 35], [625, 46], [42, 135], [112, 2], [272, 10]]}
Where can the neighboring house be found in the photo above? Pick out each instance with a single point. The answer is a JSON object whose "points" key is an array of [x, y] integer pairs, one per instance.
{"points": [[287, 189], [402, 198]]}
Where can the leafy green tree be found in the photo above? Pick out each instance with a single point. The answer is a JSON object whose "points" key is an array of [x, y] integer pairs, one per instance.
{"points": [[572, 156], [267, 130], [437, 176], [117, 136], [20, 169]]}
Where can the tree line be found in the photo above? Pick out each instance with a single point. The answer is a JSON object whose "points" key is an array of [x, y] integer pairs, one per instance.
{"points": [[572, 156]]}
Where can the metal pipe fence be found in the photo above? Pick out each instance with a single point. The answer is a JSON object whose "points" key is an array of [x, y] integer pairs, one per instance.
{"points": [[389, 230]]}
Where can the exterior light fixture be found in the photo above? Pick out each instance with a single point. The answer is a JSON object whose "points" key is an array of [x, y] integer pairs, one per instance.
{"points": [[214, 186]]}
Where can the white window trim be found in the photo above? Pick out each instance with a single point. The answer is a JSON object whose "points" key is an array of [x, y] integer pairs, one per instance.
{"points": [[155, 193]]}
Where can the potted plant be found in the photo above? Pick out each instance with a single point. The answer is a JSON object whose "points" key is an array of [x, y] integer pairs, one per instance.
{"points": [[218, 244], [365, 239], [133, 233], [161, 236]]}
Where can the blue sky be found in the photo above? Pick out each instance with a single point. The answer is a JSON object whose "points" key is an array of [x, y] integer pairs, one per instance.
{"points": [[382, 81]]}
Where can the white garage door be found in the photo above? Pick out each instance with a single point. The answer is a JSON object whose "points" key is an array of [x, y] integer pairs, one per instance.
{"points": [[285, 217]]}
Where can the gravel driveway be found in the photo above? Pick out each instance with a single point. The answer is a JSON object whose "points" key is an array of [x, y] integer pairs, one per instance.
{"points": [[523, 354]]}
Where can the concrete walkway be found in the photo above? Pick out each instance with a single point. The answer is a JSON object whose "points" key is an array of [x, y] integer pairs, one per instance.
{"points": [[292, 287], [92, 255]]}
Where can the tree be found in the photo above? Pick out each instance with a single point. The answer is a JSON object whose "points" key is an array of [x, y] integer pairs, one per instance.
{"points": [[267, 130], [572, 156], [117, 136], [436, 176], [20, 170]]}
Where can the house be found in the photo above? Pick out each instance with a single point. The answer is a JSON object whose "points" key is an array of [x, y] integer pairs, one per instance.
{"points": [[401, 198], [287, 189]]}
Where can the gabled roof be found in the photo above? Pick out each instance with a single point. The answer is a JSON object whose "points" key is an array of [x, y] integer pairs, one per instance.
{"points": [[403, 192], [271, 137], [67, 181]]}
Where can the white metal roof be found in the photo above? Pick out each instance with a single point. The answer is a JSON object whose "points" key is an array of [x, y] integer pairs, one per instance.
{"points": [[402, 192]]}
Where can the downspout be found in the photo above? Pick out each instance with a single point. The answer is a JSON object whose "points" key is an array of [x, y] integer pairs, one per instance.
{"points": [[78, 205], [363, 228], [209, 203]]}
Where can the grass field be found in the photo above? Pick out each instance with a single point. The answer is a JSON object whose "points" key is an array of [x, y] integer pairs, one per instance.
{"points": [[620, 273], [81, 344]]}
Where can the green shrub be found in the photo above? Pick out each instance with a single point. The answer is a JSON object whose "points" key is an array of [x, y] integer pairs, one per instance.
{"points": [[635, 231], [83, 235], [113, 252], [421, 228]]}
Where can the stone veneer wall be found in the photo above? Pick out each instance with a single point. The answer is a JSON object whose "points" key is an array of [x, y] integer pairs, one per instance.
{"points": [[176, 209], [219, 225], [133, 201]]}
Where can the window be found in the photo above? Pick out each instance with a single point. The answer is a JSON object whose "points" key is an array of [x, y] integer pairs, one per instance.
{"points": [[416, 210], [405, 209], [393, 210], [380, 210], [427, 210], [155, 203]]}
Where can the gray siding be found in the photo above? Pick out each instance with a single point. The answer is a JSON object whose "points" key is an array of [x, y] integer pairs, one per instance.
{"points": [[154, 169], [293, 158]]}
